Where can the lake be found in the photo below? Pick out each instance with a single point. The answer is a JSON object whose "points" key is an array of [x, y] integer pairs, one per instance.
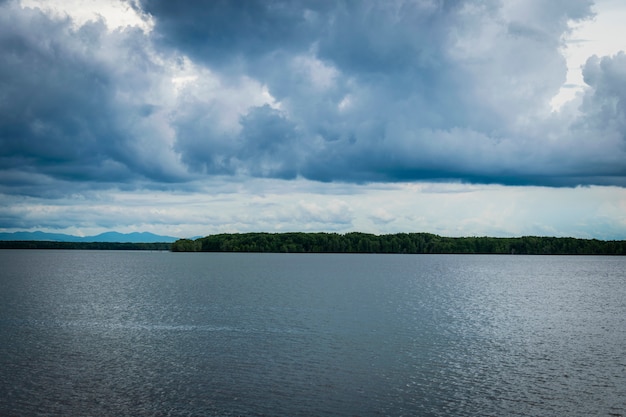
{"points": [[95, 333]]}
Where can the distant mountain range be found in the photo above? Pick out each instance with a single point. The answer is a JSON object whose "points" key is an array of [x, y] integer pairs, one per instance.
{"points": [[135, 237]]}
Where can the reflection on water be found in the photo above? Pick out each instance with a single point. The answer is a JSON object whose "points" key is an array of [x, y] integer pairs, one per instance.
{"points": [[160, 334]]}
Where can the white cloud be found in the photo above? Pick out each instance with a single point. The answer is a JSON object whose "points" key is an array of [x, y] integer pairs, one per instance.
{"points": [[116, 13], [603, 35], [381, 216], [279, 206], [319, 74]]}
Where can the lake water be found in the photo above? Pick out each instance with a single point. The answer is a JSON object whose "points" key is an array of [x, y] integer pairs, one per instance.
{"points": [[95, 333]]}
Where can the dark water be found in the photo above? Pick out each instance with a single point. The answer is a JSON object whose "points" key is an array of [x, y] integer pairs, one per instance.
{"points": [[162, 334]]}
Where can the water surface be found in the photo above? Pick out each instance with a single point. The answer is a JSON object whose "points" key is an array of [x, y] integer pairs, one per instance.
{"points": [[213, 334]]}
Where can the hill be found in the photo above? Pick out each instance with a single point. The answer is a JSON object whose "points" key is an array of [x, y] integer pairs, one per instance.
{"points": [[111, 237]]}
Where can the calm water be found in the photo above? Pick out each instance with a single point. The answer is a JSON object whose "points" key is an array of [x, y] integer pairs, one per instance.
{"points": [[97, 333]]}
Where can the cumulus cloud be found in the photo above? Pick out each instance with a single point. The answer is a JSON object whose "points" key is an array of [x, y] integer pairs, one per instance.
{"points": [[384, 91], [76, 102], [335, 212], [382, 216], [330, 91], [605, 104]]}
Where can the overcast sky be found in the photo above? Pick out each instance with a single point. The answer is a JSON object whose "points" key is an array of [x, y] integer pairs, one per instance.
{"points": [[461, 118]]}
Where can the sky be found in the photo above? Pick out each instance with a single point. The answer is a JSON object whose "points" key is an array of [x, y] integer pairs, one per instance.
{"points": [[454, 117]]}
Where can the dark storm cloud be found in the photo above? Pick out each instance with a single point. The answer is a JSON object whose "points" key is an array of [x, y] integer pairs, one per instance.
{"points": [[221, 31], [419, 101], [332, 91], [265, 146], [266, 134], [367, 39], [60, 109]]}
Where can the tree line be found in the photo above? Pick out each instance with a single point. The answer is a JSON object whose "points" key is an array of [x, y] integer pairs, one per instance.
{"points": [[410, 243], [45, 244]]}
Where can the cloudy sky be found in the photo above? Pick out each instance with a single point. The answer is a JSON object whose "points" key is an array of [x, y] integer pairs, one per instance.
{"points": [[461, 118]]}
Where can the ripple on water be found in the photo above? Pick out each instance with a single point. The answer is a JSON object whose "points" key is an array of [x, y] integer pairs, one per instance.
{"points": [[119, 333]]}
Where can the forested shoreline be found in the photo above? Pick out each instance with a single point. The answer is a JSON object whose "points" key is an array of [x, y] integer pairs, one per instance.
{"points": [[409, 243], [300, 242], [47, 244]]}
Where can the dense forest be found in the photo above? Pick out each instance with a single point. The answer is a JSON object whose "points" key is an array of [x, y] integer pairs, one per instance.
{"points": [[397, 243], [46, 244], [353, 243]]}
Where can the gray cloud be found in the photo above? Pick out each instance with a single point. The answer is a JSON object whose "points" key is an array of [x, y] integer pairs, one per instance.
{"points": [[264, 147], [222, 32], [414, 91], [331, 91], [67, 108], [605, 105]]}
